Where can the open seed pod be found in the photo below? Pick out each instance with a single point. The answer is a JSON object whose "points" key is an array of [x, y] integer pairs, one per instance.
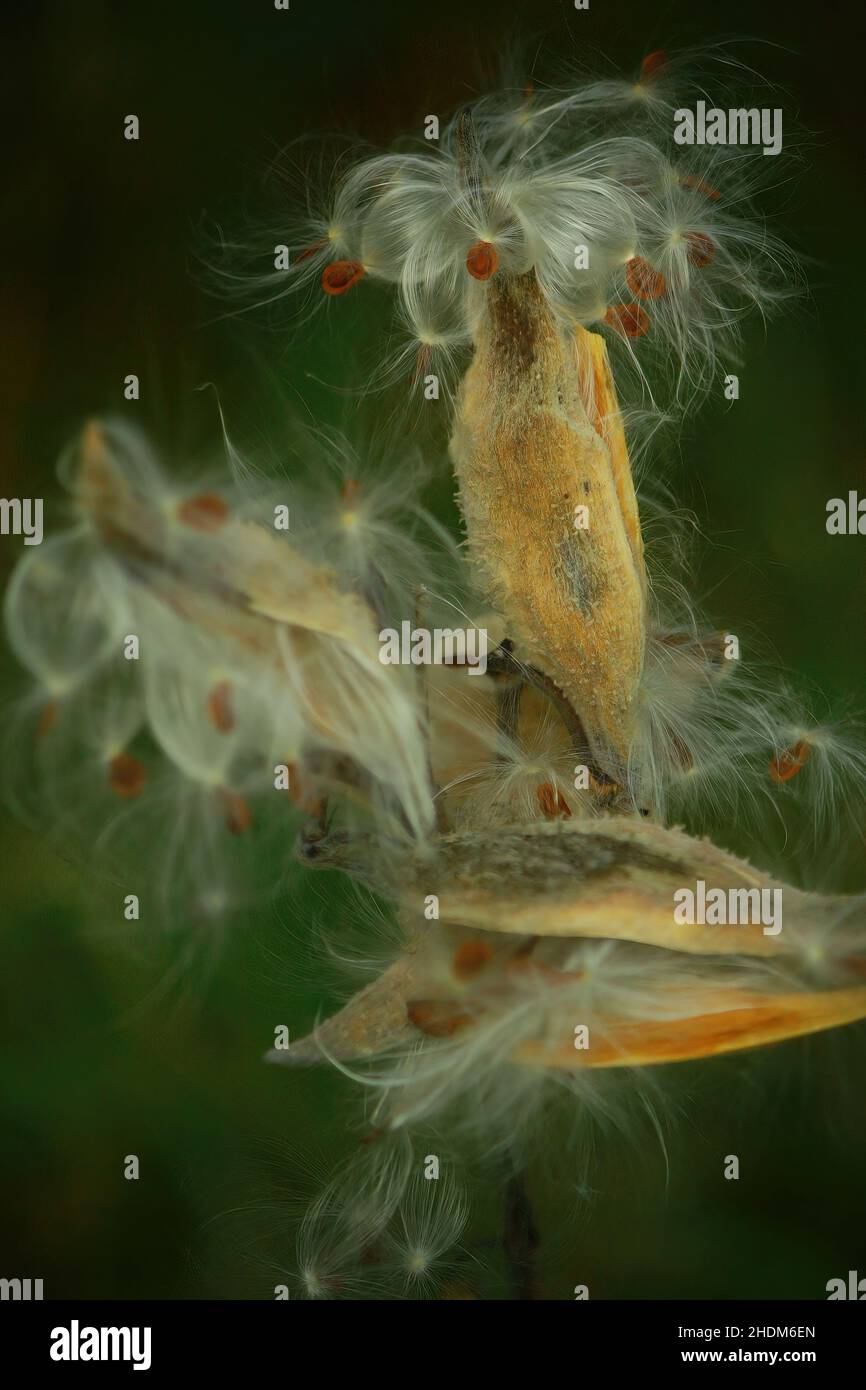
{"points": [[554, 925], [205, 576], [550, 509]]}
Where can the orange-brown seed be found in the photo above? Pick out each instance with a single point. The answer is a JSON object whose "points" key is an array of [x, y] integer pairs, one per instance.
{"points": [[790, 762], [653, 64], [350, 492], [310, 251], [219, 707], [644, 281], [692, 181], [238, 816], [701, 250], [206, 512], [471, 957], [47, 718], [436, 1018], [628, 319], [552, 802], [482, 260], [126, 776], [340, 276]]}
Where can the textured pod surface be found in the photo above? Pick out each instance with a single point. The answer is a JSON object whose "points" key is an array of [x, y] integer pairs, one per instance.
{"points": [[373, 1020], [537, 439], [613, 878]]}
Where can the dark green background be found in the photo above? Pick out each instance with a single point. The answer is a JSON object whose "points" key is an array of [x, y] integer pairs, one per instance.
{"points": [[99, 279]]}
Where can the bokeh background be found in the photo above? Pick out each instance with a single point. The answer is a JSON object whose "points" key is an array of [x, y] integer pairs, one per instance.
{"points": [[102, 1053]]}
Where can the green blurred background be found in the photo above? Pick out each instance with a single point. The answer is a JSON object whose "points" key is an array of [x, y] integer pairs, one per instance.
{"points": [[97, 1059]]}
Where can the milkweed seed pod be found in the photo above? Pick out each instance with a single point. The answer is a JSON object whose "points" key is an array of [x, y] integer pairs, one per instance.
{"points": [[252, 682], [533, 831], [542, 229], [545, 926], [535, 459]]}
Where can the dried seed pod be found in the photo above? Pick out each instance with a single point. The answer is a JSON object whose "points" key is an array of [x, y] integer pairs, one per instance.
{"points": [[550, 509], [268, 613], [612, 878], [741, 1021], [679, 1015], [373, 1020], [229, 585]]}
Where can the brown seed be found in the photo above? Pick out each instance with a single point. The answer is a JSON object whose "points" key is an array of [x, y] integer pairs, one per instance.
{"points": [[302, 791], [126, 776], [628, 319], [236, 808], [219, 707], [206, 512], [310, 251], [682, 752], [482, 260], [701, 249], [653, 64], [692, 181], [436, 1017], [374, 1135], [350, 492], [790, 762], [552, 802], [643, 280], [47, 718], [471, 957], [340, 276]]}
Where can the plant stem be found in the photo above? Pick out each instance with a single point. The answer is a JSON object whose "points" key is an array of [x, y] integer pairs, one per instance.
{"points": [[520, 1240]]}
